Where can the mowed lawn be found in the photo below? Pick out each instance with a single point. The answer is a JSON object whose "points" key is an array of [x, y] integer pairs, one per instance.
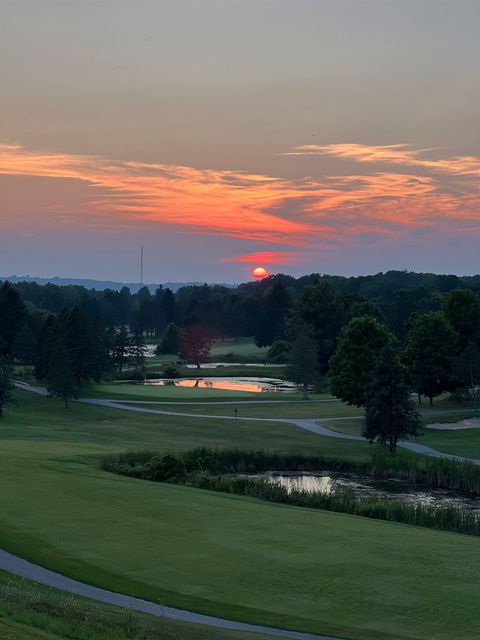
{"points": [[464, 442], [298, 409], [221, 554]]}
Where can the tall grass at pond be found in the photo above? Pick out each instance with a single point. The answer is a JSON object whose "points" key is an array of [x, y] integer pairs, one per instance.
{"points": [[217, 470]]}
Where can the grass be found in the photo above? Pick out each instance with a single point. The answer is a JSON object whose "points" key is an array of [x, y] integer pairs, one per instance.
{"points": [[227, 555], [460, 443], [244, 347], [156, 365], [284, 409], [30, 611], [229, 471]]}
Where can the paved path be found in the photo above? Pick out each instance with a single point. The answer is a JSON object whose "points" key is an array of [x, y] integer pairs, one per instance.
{"points": [[20, 567], [17, 566], [318, 426]]}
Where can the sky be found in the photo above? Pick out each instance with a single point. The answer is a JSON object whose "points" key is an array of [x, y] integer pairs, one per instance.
{"points": [[330, 136]]}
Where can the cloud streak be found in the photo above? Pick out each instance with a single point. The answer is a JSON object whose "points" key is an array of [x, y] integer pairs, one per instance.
{"points": [[401, 154], [404, 190]]}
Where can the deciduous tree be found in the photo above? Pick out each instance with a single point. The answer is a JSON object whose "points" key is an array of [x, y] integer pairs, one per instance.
{"points": [[195, 344], [303, 364], [429, 352], [351, 367]]}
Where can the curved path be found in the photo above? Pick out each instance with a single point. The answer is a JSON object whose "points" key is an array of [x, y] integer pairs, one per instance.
{"points": [[318, 426], [17, 566]]}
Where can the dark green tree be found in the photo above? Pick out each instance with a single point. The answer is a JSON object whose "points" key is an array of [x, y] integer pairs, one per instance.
{"points": [[25, 345], [273, 311], [390, 414], [352, 365], [319, 311], [44, 348], [120, 349], [462, 308], [467, 370], [429, 353], [303, 364], [170, 343], [169, 306], [137, 352], [279, 352], [6, 384], [62, 381], [13, 315]]}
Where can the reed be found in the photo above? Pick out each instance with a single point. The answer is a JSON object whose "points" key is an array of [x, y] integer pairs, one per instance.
{"points": [[214, 470]]}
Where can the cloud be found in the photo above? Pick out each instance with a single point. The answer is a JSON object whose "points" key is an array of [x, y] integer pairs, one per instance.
{"points": [[267, 257], [402, 154], [406, 192]]}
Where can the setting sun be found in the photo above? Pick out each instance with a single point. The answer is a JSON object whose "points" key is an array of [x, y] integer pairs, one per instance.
{"points": [[259, 273]]}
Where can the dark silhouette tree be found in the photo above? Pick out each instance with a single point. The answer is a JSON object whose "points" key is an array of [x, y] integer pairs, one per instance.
{"points": [[303, 364], [62, 381], [467, 370], [120, 349], [6, 383], [429, 352], [390, 414], [13, 315], [170, 343], [25, 345], [137, 352], [462, 308], [319, 311]]}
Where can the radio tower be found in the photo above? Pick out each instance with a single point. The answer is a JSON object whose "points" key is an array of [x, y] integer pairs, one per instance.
{"points": [[141, 265]]}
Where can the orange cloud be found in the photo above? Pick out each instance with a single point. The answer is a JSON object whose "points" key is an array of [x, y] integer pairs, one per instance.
{"points": [[302, 213], [267, 257]]}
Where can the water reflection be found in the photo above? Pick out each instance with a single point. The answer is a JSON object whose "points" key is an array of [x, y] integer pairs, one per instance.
{"points": [[367, 487], [248, 384]]}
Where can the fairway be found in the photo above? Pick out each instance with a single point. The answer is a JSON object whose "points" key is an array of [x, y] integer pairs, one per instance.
{"points": [[280, 410], [461, 443], [221, 554]]}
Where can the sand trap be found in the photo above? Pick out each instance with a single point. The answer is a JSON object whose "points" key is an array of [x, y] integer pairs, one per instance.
{"points": [[470, 423]]}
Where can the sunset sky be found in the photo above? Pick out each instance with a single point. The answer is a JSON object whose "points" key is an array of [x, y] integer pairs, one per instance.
{"points": [[338, 136]]}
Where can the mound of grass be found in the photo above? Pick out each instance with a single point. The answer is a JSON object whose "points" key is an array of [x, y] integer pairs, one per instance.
{"points": [[224, 554], [30, 611], [218, 470]]}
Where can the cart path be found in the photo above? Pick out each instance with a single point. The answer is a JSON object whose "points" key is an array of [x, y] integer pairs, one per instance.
{"points": [[19, 567], [318, 426]]}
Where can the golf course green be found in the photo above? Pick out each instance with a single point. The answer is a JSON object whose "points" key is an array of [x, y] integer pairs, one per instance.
{"points": [[220, 554]]}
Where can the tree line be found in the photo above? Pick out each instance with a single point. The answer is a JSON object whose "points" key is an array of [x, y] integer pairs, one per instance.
{"points": [[331, 331], [252, 309]]}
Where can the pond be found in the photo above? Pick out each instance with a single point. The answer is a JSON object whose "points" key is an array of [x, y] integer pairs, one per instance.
{"points": [[246, 383], [363, 487]]}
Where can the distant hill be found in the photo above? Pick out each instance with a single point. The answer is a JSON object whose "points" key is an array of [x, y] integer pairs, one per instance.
{"points": [[101, 285]]}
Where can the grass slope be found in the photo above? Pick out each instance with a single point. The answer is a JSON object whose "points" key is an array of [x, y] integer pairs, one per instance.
{"points": [[29, 611], [221, 554]]}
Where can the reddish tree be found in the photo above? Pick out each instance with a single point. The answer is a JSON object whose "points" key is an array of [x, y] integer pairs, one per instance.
{"points": [[195, 344]]}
